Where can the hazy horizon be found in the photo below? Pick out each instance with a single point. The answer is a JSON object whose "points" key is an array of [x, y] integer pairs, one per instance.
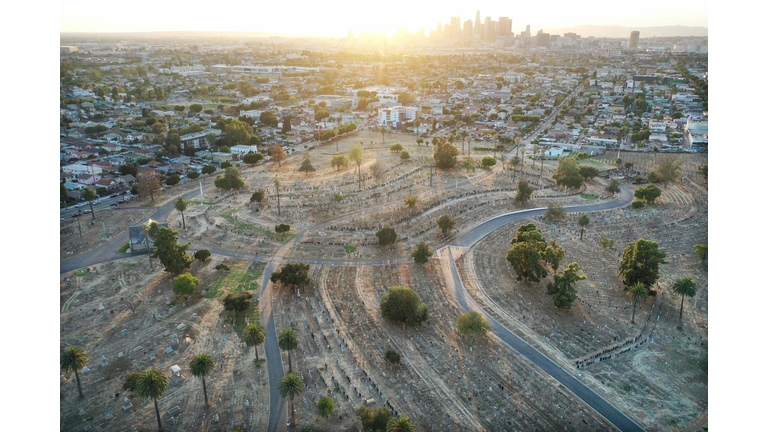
{"points": [[340, 16]]}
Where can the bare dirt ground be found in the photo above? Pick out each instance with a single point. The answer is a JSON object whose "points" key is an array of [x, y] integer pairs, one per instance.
{"points": [[443, 383], [136, 341], [662, 381], [117, 222]]}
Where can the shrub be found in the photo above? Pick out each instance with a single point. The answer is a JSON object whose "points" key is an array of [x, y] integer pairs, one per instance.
{"points": [[403, 305], [222, 266], [638, 204], [392, 356], [202, 255]]}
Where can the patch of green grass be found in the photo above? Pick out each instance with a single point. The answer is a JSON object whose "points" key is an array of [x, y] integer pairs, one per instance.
{"points": [[124, 248], [242, 226], [350, 249], [238, 278], [129, 265], [82, 271], [198, 202], [589, 196]]}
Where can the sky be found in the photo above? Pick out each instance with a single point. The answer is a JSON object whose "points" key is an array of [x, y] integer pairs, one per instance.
{"points": [[336, 17]]}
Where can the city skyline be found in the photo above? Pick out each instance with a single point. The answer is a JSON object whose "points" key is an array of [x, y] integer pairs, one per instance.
{"points": [[343, 15]]}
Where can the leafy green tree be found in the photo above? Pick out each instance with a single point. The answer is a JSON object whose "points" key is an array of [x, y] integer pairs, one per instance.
{"points": [[325, 407], [684, 287], [613, 187], [403, 305], [568, 174], [152, 384], [472, 324], [469, 164], [321, 115], [525, 254], [422, 253], [628, 165], [291, 386], [237, 303], [396, 147], [171, 254], [131, 382], [282, 228], [488, 162], [402, 424], [185, 284], [554, 213], [196, 108], [209, 169], [588, 172], [392, 356], [63, 193], [607, 243], [411, 201], [288, 340], [374, 419], [225, 165], [563, 288], [640, 263], [202, 255], [583, 223], [701, 251], [669, 169], [268, 119], [553, 254], [230, 181], [356, 155], [514, 161], [339, 162], [74, 359], [386, 236], [446, 223], [445, 155], [193, 175], [128, 169], [200, 366], [293, 274], [648, 193], [253, 336], [404, 155], [181, 206], [252, 158], [653, 177], [277, 154], [639, 292], [173, 179], [524, 192], [89, 195]]}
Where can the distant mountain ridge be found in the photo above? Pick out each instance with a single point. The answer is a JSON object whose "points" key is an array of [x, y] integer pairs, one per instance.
{"points": [[623, 32]]}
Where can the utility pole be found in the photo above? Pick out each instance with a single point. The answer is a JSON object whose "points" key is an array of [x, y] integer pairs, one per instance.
{"points": [[78, 226]]}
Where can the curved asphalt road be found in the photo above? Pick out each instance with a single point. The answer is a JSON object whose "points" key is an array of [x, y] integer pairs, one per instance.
{"points": [[608, 411]]}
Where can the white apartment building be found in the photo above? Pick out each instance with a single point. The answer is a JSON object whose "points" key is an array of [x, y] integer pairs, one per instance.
{"points": [[398, 114]]}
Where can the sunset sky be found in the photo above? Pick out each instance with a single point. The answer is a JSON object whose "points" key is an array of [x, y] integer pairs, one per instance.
{"points": [[335, 17]]}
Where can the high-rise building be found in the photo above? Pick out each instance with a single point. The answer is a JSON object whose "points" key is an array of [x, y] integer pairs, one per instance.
{"points": [[528, 30], [542, 39], [477, 29], [505, 26], [634, 38], [467, 33], [455, 27], [487, 27]]}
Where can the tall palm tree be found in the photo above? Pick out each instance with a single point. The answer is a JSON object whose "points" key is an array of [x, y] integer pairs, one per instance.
{"points": [[463, 134], [583, 222], [542, 151], [684, 287], [401, 424], [514, 161], [201, 366], [73, 360], [253, 336], [535, 151], [152, 383], [181, 206], [277, 189], [522, 159], [149, 229], [288, 340], [639, 292], [290, 387]]}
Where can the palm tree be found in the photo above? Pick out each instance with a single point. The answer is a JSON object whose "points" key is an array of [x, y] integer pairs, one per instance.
{"points": [[639, 292], [74, 359], [463, 134], [181, 206], [152, 384], [288, 340], [522, 159], [542, 151], [684, 287], [583, 222], [535, 150], [253, 336], [290, 387], [201, 366], [401, 424], [514, 161], [149, 229], [277, 189]]}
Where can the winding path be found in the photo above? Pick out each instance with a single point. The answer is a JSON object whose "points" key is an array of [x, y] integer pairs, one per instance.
{"points": [[107, 252]]}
